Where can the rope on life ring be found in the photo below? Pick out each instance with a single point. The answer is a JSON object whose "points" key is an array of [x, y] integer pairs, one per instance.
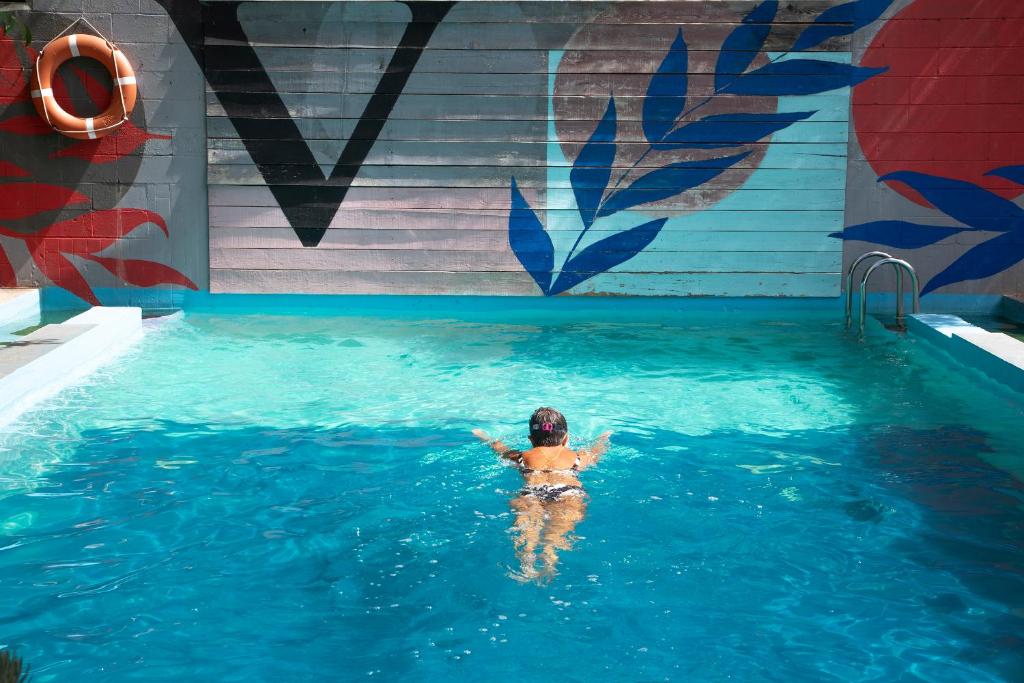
{"points": [[61, 49]]}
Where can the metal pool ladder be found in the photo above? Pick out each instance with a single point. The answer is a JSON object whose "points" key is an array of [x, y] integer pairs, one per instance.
{"points": [[900, 266]]}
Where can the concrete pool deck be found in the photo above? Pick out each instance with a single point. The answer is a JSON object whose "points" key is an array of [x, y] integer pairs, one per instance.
{"points": [[35, 365]]}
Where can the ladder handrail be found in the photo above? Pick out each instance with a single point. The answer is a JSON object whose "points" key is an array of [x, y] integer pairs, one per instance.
{"points": [[849, 284], [902, 266]]}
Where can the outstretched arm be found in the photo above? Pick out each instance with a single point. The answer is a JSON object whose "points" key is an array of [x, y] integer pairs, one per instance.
{"points": [[589, 456], [496, 445]]}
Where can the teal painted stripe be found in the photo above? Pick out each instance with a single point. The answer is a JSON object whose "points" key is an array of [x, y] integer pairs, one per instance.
{"points": [[525, 308], [151, 299], [585, 308]]}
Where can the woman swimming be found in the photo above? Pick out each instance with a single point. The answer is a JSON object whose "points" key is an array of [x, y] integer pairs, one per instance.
{"points": [[552, 501]]}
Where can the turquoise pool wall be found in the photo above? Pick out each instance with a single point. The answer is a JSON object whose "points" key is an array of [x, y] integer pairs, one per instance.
{"points": [[525, 148]]}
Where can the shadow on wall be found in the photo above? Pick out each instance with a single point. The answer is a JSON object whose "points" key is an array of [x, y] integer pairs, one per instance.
{"points": [[50, 225]]}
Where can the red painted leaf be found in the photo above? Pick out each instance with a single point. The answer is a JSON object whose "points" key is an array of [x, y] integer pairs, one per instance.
{"points": [[7, 277], [95, 231], [12, 75], [60, 270], [13, 86], [26, 124], [20, 200], [120, 143], [143, 273], [9, 170]]}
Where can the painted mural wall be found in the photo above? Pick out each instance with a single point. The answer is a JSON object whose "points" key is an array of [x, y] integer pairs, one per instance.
{"points": [[693, 148], [120, 219], [685, 147], [936, 167]]}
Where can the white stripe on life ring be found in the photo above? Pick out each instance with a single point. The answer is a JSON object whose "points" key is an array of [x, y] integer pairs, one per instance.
{"points": [[73, 44], [45, 92], [126, 80], [90, 128]]}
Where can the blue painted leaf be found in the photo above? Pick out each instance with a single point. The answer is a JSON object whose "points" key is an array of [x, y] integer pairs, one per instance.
{"points": [[984, 260], [606, 254], [729, 130], [742, 46], [592, 168], [1014, 173], [972, 205], [801, 77], [899, 234], [666, 93], [840, 21], [668, 182], [529, 242]]}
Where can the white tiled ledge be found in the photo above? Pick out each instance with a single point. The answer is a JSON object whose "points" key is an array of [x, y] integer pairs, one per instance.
{"points": [[997, 355], [41, 363]]}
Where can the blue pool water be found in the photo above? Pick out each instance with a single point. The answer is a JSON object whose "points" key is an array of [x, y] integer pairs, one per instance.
{"points": [[273, 498]]}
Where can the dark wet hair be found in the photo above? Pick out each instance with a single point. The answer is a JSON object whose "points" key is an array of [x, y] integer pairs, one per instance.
{"points": [[547, 427]]}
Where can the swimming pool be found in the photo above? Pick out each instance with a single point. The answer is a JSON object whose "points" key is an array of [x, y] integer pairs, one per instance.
{"points": [[270, 497]]}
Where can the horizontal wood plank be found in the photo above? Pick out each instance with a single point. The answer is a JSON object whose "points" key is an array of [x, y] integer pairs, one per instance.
{"points": [[428, 130], [528, 11], [496, 238], [639, 60], [374, 175], [505, 36], [804, 131], [452, 260], [228, 210], [521, 284], [500, 198], [458, 107], [344, 80]]}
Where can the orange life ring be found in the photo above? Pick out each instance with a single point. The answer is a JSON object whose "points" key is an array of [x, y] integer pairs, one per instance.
{"points": [[122, 101]]}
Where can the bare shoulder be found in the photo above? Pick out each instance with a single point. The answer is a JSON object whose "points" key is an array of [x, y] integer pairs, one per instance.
{"points": [[592, 454]]}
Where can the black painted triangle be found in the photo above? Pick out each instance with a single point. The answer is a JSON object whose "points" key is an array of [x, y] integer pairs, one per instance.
{"points": [[308, 199]]}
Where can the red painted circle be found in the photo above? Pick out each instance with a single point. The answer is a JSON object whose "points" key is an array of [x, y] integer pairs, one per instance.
{"points": [[952, 101]]}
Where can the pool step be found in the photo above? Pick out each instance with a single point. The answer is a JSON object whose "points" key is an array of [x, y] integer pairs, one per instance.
{"points": [[995, 354], [37, 364]]}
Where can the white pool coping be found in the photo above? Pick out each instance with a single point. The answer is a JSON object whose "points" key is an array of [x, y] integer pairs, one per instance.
{"points": [[997, 355], [54, 356], [17, 305]]}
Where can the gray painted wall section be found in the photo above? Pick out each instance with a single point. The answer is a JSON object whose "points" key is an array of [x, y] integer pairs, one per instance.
{"points": [[167, 176]]}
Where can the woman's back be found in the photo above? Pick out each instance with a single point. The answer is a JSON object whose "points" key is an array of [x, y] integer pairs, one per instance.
{"points": [[549, 465]]}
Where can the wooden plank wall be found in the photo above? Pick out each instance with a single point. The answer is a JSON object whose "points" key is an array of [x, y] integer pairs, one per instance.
{"points": [[500, 90]]}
